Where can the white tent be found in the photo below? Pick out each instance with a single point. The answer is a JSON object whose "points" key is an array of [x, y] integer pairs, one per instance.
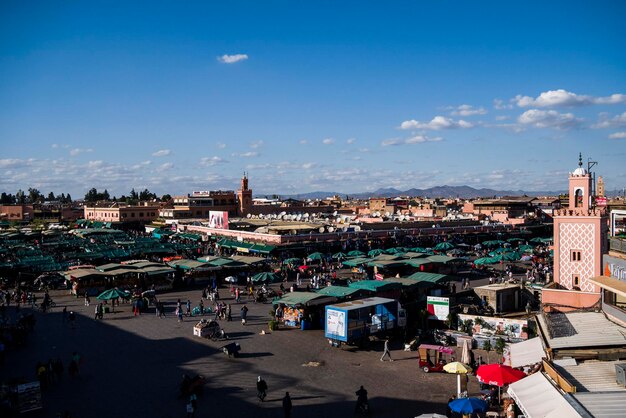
{"points": [[525, 353], [538, 398]]}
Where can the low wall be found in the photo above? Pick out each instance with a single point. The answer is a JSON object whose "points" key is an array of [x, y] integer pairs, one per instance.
{"points": [[567, 300]]}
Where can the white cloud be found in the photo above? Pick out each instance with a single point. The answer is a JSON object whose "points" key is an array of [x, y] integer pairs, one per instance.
{"points": [[614, 122], [328, 141], [350, 140], [436, 124], [161, 153], [15, 163], [308, 166], [618, 135], [221, 145], [231, 59], [468, 110], [500, 105], [248, 154], [165, 167], [548, 119], [77, 151], [502, 117], [562, 97], [55, 145], [256, 144], [303, 142], [211, 161], [416, 139]]}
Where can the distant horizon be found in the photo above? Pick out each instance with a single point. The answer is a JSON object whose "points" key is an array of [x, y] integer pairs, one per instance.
{"points": [[310, 96]]}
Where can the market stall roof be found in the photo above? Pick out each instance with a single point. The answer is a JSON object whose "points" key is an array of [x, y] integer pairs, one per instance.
{"points": [[305, 299], [442, 259], [386, 263], [413, 254], [526, 353], [430, 277], [262, 248], [83, 274], [417, 262], [337, 291], [248, 259], [375, 285], [354, 262], [154, 271], [124, 270], [186, 264], [537, 397], [143, 264], [406, 283], [114, 266]]}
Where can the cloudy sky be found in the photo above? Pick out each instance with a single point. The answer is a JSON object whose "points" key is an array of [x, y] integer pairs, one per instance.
{"points": [[308, 96]]}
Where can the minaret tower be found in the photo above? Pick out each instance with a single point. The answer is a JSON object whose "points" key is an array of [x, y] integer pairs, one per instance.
{"points": [[244, 195], [580, 239]]}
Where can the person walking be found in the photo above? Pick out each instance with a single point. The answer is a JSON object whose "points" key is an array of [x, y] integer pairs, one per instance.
{"points": [[179, 314], [244, 314], [287, 405], [261, 388], [229, 316], [87, 300], [188, 308], [386, 351]]}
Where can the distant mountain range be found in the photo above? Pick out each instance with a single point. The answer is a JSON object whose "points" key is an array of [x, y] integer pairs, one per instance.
{"points": [[465, 192]]}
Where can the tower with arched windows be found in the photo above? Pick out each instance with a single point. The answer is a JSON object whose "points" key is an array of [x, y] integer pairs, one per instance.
{"points": [[580, 239]]}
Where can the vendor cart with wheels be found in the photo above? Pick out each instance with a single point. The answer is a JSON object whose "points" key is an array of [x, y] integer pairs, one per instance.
{"points": [[431, 357]]}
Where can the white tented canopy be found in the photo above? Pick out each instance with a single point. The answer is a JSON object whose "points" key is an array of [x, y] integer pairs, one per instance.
{"points": [[537, 398], [526, 353]]}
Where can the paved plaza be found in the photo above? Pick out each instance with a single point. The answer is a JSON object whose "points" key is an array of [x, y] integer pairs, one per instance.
{"points": [[132, 366]]}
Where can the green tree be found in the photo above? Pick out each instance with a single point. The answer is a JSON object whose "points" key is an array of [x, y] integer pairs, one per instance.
{"points": [[488, 348], [20, 197], [500, 346], [92, 195], [51, 197], [105, 195], [133, 195], [166, 198], [6, 199], [34, 195], [68, 199]]}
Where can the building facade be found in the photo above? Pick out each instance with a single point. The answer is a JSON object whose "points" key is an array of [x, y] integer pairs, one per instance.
{"points": [[117, 212]]}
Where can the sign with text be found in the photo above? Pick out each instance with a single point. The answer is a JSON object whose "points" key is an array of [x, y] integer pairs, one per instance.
{"points": [[218, 219], [438, 307], [335, 322]]}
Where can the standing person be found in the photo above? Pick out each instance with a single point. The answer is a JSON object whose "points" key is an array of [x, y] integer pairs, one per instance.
{"points": [[261, 388], [188, 308], [179, 314], [287, 405], [386, 351], [244, 314], [97, 312], [237, 295], [201, 305], [229, 316], [87, 300]]}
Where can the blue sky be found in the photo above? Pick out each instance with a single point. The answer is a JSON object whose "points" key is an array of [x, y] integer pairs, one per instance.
{"points": [[308, 96]]}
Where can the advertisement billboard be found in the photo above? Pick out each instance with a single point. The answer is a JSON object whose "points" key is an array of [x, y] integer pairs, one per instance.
{"points": [[438, 307], [335, 323], [218, 219]]}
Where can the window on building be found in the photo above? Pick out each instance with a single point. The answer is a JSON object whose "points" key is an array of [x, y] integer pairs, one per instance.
{"points": [[576, 280], [141, 214], [578, 202], [576, 255], [132, 215]]}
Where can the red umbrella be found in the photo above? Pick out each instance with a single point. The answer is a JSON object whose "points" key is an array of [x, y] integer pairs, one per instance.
{"points": [[498, 374]]}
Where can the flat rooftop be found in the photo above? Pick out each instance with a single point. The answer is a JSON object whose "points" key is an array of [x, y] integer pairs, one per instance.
{"points": [[580, 329]]}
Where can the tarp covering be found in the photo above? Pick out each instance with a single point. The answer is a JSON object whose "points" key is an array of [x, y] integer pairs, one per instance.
{"points": [[429, 277], [303, 298], [375, 285], [354, 262], [337, 291], [526, 353], [537, 398], [187, 264]]}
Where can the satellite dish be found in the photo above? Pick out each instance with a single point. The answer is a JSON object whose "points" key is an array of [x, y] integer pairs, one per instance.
{"points": [[387, 214], [331, 229], [344, 229], [283, 213], [346, 218], [338, 220], [249, 216], [306, 215], [321, 230], [335, 213], [299, 217], [357, 228]]}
